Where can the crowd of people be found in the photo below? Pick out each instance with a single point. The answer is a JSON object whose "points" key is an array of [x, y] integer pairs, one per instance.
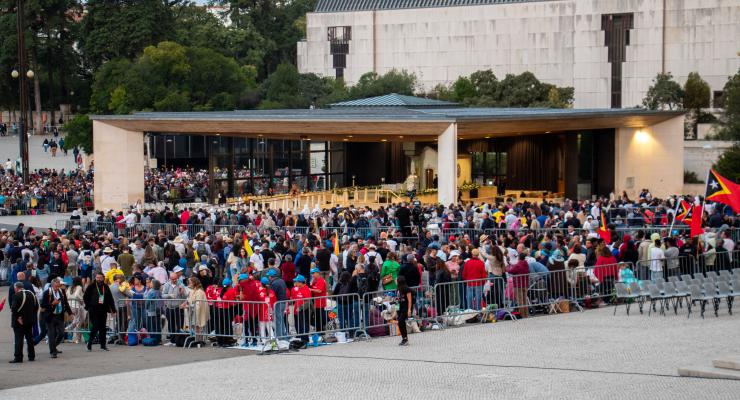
{"points": [[494, 252], [51, 190], [176, 184]]}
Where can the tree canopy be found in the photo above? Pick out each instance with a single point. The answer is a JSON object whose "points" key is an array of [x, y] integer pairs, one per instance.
{"points": [[171, 77], [664, 93], [483, 89]]}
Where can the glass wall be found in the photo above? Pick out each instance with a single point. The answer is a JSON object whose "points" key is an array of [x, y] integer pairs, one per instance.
{"points": [[262, 167], [489, 168]]}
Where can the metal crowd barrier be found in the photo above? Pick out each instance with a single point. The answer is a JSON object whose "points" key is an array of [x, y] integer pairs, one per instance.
{"points": [[718, 261], [311, 318], [673, 266]]}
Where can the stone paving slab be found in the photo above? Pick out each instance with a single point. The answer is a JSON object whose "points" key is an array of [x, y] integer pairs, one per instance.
{"points": [[589, 355]]}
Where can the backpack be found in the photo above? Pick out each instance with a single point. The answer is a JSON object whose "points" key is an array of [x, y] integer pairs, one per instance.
{"points": [[362, 285], [373, 277]]}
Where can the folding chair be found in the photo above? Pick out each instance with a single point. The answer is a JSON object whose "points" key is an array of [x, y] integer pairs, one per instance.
{"points": [[659, 282], [710, 292], [673, 279], [736, 271], [698, 296], [726, 292], [669, 291], [683, 292], [699, 276], [711, 275], [656, 296], [624, 294], [642, 294], [686, 278], [726, 274]]}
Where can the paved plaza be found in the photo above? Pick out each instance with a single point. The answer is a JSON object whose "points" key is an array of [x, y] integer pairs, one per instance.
{"points": [[37, 158], [590, 355]]}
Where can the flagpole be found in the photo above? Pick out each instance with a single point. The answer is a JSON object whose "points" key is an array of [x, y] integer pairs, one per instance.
{"points": [[673, 221]]}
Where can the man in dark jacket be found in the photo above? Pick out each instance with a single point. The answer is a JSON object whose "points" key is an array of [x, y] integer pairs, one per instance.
{"points": [[404, 220], [53, 307], [98, 303], [24, 307], [410, 271]]}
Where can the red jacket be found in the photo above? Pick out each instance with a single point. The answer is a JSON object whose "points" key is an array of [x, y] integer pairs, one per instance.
{"points": [[320, 284], [474, 269], [268, 297], [288, 271], [520, 271], [299, 295], [606, 267]]}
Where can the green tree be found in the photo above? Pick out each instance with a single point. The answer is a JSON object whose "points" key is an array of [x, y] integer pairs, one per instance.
{"points": [[728, 164], [371, 84], [485, 82], [281, 87], [171, 77], [663, 93], [123, 28], [696, 92], [730, 121], [463, 89], [79, 132]]}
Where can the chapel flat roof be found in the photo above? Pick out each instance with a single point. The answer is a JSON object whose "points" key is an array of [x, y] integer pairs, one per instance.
{"points": [[389, 114], [329, 6], [384, 123]]}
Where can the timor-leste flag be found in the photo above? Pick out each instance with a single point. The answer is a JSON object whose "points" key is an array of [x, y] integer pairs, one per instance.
{"points": [[603, 231], [683, 214], [722, 190]]}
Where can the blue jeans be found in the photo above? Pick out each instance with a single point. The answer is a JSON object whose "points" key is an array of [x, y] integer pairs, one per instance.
{"points": [[655, 274], [137, 316], [473, 295], [349, 316], [279, 314]]}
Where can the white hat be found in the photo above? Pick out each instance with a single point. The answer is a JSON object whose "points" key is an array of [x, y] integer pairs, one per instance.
{"points": [[454, 253], [177, 269]]}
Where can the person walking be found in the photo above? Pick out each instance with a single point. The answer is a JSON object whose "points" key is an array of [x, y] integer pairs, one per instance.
{"points": [[53, 307], [23, 309], [405, 300], [98, 303]]}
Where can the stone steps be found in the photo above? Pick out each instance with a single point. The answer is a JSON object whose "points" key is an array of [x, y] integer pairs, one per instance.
{"points": [[726, 368], [728, 363]]}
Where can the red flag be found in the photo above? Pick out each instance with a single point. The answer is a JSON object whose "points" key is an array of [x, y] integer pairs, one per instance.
{"points": [[603, 231], [649, 216], [696, 218], [722, 190]]}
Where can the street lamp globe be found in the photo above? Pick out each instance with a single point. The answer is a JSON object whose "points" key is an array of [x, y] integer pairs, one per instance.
{"points": [[15, 74], [29, 74]]}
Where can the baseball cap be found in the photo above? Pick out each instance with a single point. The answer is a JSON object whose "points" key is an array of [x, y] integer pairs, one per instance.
{"points": [[271, 272], [265, 281], [299, 278], [243, 277], [177, 269], [314, 270], [226, 282]]}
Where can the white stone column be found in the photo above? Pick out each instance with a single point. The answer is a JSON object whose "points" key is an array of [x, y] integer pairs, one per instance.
{"points": [[447, 165], [119, 166]]}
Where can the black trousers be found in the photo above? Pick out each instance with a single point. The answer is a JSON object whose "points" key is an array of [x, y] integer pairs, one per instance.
{"points": [[97, 320], [402, 317], [55, 331], [24, 331]]}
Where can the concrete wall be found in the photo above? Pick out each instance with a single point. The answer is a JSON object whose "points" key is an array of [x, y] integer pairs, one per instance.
{"points": [[561, 42], [700, 155], [119, 166], [651, 158]]}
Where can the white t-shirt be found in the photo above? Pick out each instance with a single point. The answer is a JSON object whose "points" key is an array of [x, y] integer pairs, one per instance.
{"points": [[258, 261], [656, 259]]}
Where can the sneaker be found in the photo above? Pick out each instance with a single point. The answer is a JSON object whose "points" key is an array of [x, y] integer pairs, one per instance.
{"points": [[404, 342]]}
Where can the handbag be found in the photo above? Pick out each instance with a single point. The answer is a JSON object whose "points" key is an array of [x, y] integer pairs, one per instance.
{"points": [[387, 279]]}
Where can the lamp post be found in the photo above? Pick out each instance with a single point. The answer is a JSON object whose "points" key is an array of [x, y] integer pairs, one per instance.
{"points": [[23, 84]]}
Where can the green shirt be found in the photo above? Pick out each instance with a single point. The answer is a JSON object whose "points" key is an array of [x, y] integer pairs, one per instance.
{"points": [[390, 268]]}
